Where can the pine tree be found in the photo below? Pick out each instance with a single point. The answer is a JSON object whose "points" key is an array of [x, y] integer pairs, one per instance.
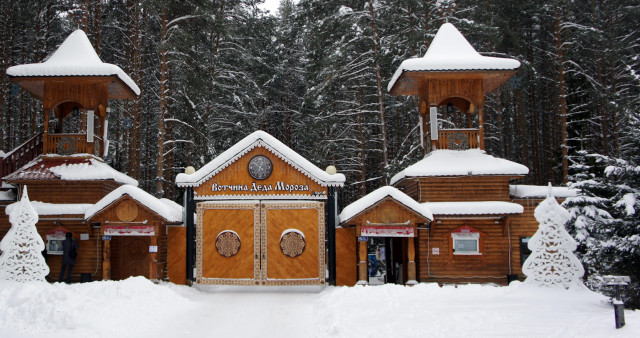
{"points": [[22, 246], [552, 262]]}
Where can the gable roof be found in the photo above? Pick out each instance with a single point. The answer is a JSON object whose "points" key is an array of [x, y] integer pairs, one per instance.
{"points": [[74, 57], [371, 199], [450, 51], [72, 168], [461, 163], [170, 211], [259, 139]]}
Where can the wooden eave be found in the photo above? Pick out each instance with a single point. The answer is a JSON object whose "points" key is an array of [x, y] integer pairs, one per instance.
{"points": [[360, 218], [511, 177], [143, 207], [116, 88], [410, 82]]}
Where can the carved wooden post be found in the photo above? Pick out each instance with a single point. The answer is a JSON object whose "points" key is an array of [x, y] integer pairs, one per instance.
{"points": [[481, 127], [106, 259], [411, 266], [153, 255], [363, 278]]}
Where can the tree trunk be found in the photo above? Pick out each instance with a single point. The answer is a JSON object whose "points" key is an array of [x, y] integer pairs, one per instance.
{"points": [[161, 110], [380, 94], [562, 99]]}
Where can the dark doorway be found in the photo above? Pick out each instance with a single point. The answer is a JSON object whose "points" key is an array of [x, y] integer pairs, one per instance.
{"points": [[386, 260]]}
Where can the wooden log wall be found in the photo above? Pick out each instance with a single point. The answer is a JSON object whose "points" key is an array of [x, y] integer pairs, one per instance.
{"points": [[89, 251], [59, 191], [491, 266], [459, 189], [524, 225]]}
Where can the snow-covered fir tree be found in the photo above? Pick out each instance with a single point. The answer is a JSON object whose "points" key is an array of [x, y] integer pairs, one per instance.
{"points": [[552, 261], [22, 246]]}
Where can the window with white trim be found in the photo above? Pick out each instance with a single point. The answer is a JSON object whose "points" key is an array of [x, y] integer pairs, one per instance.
{"points": [[466, 243]]}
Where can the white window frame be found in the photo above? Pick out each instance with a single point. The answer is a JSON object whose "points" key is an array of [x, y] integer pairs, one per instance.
{"points": [[457, 236]]}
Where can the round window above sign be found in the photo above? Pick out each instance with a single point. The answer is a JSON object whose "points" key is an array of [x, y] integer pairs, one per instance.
{"points": [[127, 211], [260, 167]]}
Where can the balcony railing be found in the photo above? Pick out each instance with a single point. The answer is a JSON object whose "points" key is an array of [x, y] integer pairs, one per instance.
{"points": [[458, 139], [67, 144], [21, 155]]}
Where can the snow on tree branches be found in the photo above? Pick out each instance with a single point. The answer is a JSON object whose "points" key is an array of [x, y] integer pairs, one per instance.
{"points": [[552, 261], [22, 247]]}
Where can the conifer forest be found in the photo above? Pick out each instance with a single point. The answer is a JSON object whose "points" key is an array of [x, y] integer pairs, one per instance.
{"points": [[314, 76]]}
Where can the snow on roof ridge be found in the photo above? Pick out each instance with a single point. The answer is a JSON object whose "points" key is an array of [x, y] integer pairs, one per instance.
{"points": [[255, 139], [541, 191], [378, 195], [171, 213], [474, 208], [44, 208], [444, 162], [96, 170], [451, 51], [74, 57]]}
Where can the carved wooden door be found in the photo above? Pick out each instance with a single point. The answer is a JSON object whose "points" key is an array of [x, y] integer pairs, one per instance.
{"points": [[133, 255], [260, 243]]}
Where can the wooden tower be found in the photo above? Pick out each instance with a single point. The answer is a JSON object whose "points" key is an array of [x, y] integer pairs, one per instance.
{"points": [[74, 80], [454, 75]]}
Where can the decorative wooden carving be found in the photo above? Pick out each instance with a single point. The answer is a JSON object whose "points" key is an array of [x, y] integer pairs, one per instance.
{"points": [[228, 243], [458, 141], [66, 146], [292, 244], [127, 211]]}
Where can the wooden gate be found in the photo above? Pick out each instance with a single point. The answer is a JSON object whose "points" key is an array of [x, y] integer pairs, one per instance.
{"points": [[260, 243], [132, 254]]}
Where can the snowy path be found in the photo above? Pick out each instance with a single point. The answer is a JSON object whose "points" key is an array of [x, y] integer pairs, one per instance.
{"points": [[138, 308], [244, 315]]}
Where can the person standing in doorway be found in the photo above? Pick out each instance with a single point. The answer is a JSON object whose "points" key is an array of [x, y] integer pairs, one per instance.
{"points": [[69, 255]]}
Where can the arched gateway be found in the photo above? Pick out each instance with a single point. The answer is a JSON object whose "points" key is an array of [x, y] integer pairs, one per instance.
{"points": [[260, 215]]}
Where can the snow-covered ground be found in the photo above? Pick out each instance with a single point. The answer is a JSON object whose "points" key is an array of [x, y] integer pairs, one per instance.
{"points": [[138, 308]]}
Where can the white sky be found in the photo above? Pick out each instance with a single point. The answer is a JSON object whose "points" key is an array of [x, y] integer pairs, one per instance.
{"points": [[271, 5]]}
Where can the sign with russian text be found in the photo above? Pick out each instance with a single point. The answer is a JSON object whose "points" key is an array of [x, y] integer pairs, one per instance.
{"points": [[387, 231]]}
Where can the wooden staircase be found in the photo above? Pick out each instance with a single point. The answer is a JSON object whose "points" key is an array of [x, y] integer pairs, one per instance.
{"points": [[21, 155]]}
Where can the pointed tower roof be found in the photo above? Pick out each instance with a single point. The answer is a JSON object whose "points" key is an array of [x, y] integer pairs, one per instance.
{"points": [[74, 57], [450, 52]]}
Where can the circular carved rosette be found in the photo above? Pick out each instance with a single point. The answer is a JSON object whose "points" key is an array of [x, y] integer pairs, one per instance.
{"points": [[127, 211], [228, 243], [292, 244]]}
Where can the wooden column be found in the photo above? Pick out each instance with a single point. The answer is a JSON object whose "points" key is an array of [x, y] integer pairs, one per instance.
{"points": [[363, 273], [411, 265], [153, 256], [106, 259], [481, 127]]}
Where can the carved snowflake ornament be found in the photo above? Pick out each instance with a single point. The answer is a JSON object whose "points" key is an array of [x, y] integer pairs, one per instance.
{"points": [[552, 262], [22, 246]]}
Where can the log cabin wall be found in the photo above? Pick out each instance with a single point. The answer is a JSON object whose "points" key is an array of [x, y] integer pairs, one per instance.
{"points": [[66, 192], [89, 251], [460, 188], [492, 265]]}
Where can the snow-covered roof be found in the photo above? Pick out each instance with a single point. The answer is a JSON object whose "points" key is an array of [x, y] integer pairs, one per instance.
{"points": [[74, 57], [541, 191], [168, 211], [474, 208], [75, 168], [450, 51], [43, 208], [259, 139], [460, 163], [378, 195]]}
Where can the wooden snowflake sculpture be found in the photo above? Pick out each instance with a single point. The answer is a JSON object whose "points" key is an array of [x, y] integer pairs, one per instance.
{"points": [[552, 262], [22, 246]]}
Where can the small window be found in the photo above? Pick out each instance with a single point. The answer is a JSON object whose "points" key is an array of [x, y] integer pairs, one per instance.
{"points": [[524, 249], [466, 243], [54, 246]]}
